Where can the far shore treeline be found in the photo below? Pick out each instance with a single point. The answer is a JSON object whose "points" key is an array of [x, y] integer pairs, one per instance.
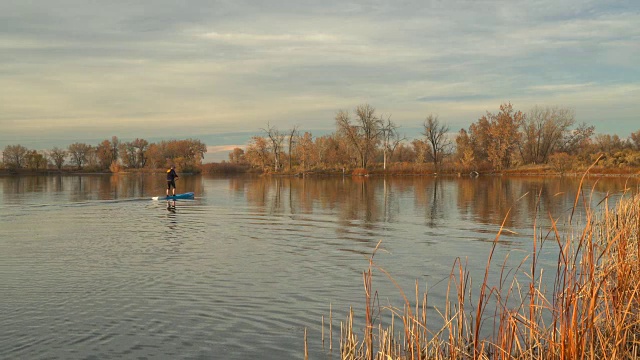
{"points": [[542, 140]]}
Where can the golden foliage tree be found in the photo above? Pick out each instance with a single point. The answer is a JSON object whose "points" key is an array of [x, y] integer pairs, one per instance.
{"points": [[495, 137]]}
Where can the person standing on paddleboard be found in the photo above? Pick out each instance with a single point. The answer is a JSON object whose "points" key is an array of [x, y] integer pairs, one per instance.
{"points": [[171, 179]]}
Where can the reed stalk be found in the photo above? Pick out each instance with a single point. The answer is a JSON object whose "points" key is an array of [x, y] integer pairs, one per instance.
{"points": [[592, 310]]}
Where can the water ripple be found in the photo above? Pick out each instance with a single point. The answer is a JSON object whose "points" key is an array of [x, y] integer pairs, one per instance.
{"points": [[224, 275]]}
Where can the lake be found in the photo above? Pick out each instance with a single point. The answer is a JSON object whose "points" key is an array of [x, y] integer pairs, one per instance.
{"points": [[92, 268]]}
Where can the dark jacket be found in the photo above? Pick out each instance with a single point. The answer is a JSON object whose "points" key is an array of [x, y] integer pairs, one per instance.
{"points": [[171, 175]]}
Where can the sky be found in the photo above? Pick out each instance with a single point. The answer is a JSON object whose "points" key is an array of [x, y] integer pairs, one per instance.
{"points": [[222, 70]]}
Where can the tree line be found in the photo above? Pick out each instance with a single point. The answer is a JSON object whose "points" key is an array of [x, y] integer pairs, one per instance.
{"points": [[506, 139], [109, 155], [365, 141]]}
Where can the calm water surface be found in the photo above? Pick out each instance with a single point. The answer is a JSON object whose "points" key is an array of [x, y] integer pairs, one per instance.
{"points": [[92, 268]]}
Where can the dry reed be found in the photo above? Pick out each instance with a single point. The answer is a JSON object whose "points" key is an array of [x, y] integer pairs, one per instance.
{"points": [[591, 312]]}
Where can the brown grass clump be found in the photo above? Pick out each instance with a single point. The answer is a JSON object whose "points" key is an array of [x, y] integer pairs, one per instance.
{"points": [[591, 312]]}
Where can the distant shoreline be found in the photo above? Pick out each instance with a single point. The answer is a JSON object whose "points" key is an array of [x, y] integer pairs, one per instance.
{"points": [[632, 172]]}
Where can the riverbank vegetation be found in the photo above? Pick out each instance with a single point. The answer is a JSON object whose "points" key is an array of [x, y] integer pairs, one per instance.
{"points": [[108, 156], [590, 311], [545, 140]]}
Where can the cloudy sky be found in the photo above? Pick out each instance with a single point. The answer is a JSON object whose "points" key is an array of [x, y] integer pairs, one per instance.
{"points": [[220, 70]]}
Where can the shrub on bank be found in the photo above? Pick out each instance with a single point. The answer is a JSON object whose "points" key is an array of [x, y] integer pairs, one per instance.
{"points": [[224, 168]]}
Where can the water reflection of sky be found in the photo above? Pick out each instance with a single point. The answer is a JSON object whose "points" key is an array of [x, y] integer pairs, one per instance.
{"points": [[255, 258]]}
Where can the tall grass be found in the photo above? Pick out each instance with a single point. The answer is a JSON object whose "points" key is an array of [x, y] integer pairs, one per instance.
{"points": [[589, 310]]}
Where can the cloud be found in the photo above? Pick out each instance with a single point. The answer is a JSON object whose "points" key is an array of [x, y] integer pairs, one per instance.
{"points": [[202, 67], [222, 148], [246, 38], [561, 87]]}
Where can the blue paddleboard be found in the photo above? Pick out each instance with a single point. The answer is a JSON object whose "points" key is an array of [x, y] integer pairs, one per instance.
{"points": [[188, 195]]}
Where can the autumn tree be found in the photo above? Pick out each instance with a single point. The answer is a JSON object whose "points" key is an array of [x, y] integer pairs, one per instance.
{"points": [[236, 156], [140, 146], [543, 131], [128, 154], [133, 153], [465, 153], [332, 151], [480, 139], [635, 140], [185, 154], [58, 157], [191, 153], [194, 150], [107, 152], [307, 151], [420, 149], [13, 156], [257, 153], [92, 159], [436, 137], [404, 153], [495, 137], [363, 133], [561, 162], [35, 160], [155, 156], [104, 154], [78, 153]]}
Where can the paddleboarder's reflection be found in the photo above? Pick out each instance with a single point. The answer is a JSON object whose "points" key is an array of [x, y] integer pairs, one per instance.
{"points": [[171, 206]]}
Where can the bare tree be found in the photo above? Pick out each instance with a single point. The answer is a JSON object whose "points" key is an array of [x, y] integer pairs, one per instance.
{"points": [[577, 140], [128, 154], [363, 134], [141, 146], [390, 140], [276, 138], [115, 144], [58, 157], [608, 143], [293, 135], [78, 153], [436, 137], [543, 130], [14, 156]]}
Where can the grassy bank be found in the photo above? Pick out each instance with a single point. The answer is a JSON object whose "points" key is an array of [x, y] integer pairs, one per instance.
{"points": [[590, 311]]}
